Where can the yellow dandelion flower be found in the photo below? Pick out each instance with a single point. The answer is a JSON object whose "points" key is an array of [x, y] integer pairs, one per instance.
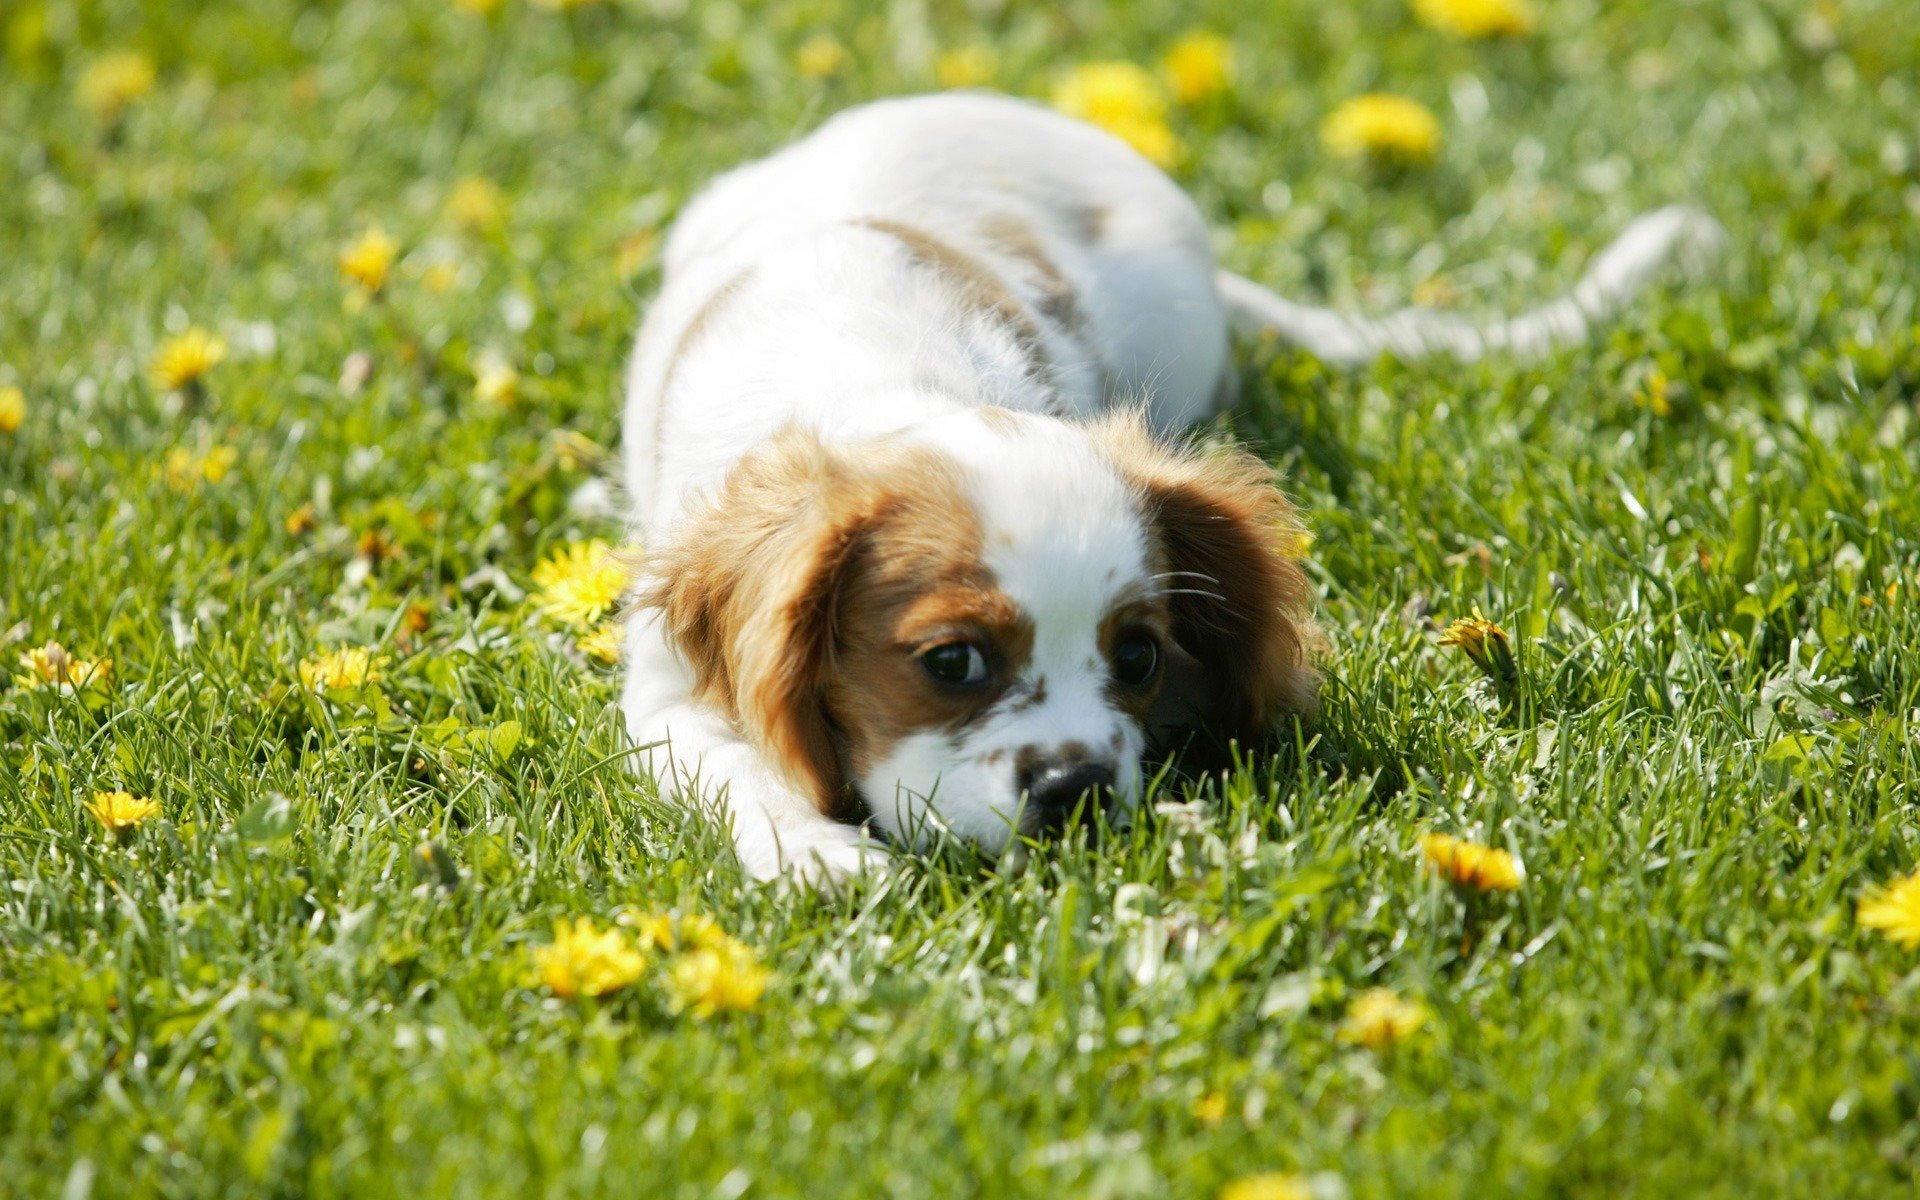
{"points": [[565, 5], [1199, 67], [1270, 1185], [820, 57], [1210, 1109], [1477, 18], [604, 644], [118, 812], [113, 81], [440, 277], [52, 666], [1471, 865], [1123, 99], [181, 361], [717, 978], [1894, 910], [585, 961], [13, 408], [1378, 1019], [634, 252], [368, 259], [496, 382], [186, 470], [1485, 643], [580, 583], [300, 520], [347, 667], [476, 205], [1655, 394], [1383, 128], [965, 67]]}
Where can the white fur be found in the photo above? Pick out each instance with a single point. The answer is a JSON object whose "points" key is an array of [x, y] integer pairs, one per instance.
{"points": [[834, 326]]}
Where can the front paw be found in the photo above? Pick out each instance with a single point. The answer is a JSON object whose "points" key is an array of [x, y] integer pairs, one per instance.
{"points": [[822, 857]]}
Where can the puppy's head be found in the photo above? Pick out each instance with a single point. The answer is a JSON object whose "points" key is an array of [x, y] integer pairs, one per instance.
{"points": [[980, 624]]}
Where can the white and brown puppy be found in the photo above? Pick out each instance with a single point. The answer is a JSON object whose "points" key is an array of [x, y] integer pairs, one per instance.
{"points": [[919, 558]]}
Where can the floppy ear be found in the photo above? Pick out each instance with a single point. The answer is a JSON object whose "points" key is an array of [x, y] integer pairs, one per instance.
{"points": [[1230, 542], [747, 592]]}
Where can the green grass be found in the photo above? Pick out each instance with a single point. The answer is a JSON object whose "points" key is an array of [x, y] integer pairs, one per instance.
{"points": [[1713, 758]]}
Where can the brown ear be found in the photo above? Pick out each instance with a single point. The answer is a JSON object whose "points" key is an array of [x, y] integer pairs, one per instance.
{"points": [[1229, 540], [747, 589]]}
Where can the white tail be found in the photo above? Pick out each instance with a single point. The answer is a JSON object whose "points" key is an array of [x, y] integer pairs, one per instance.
{"points": [[1674, 234]]}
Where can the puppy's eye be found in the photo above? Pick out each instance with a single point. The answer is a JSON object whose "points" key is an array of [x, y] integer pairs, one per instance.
{"points": [[1136, 659], [958, 663]]}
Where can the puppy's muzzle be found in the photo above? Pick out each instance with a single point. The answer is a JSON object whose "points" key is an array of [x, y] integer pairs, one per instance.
{"points": [[1056, 792]]}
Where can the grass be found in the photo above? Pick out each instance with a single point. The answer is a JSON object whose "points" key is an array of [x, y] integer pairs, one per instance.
{"points": [[1710, 757]]}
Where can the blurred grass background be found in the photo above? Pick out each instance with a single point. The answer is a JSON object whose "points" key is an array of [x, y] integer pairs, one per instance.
{"points": [[1703, 533]]}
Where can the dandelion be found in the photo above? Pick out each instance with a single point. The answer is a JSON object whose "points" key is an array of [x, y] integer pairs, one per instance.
{"points": [[119, 812], [368, 259], [1210, 1109], [184, 470], [604, 644], [1382, 128], [1477, 18], [1199, 67], [634, 252], [496, 382], [13, 408], [1124, 100], [1271, 1185], [113, 81], [1378, 1019], [724, 976], [440, 277], [564, 5], [1894, 910], [1486, 644], [300, 521], [585, 961], [820, 57], [1655, 394], [1471, 865], [181, 361], [52, 666], [580, 583], [964, 67], [476, 205], [347, 667]]}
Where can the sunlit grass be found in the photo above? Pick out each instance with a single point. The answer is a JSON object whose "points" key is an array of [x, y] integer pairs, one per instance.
{"points": [[282, 866]]}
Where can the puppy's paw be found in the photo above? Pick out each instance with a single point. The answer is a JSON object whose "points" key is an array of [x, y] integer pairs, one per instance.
{"points": [[820, 855]]}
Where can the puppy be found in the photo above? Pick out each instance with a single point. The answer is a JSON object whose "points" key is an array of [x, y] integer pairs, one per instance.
{"points": [[921, 558]]}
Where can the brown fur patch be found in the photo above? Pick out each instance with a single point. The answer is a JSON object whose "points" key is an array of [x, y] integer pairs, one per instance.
{"points": [[1240, 610], [801, 593], [1058, 301], [977, 284]]}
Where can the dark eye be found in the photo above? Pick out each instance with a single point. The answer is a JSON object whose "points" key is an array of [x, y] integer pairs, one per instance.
{"points": [[1136, 659], [957, 663]]}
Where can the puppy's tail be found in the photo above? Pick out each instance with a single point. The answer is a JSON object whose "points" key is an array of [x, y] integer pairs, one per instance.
{"points": [[1678, 233]]}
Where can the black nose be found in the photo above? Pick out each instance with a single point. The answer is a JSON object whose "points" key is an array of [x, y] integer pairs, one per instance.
{"points": [[1054, 792]]}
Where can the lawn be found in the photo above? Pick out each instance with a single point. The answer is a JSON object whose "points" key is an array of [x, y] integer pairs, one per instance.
{"points": [[315, 971]]}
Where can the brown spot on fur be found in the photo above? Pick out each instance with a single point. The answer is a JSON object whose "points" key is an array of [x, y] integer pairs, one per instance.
{"points": [[1240, 607], [976, 283], [1031, 759], [1058, 302], [801, 591]]}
